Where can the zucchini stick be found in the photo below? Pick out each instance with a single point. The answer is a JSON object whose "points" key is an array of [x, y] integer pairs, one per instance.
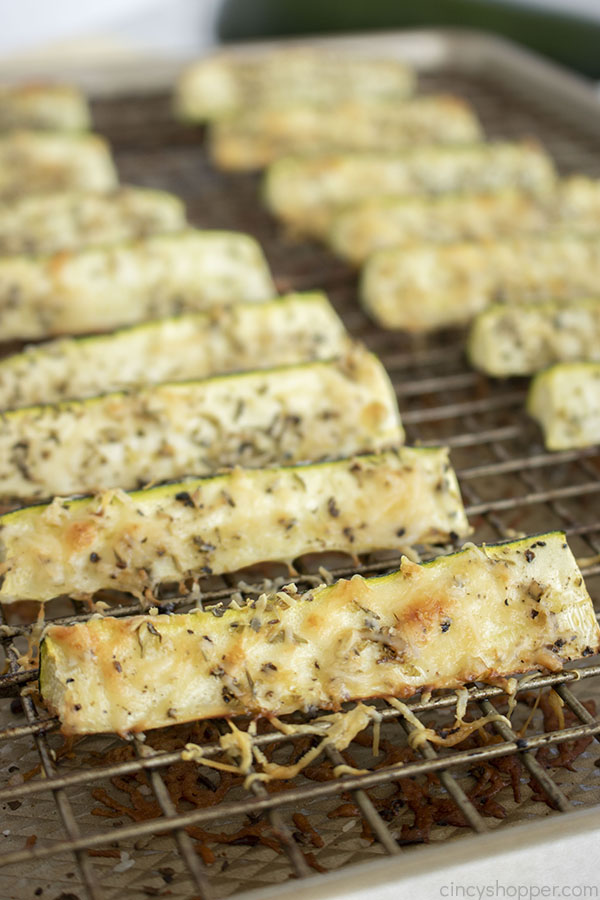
{"points": [[100, 288], [135, 542], [306, 192], [289, 330], [510, 340], [35, 162], [565, 401], [478, 615], [362, 228], [282, 415], [225, 83], [434, 286], [41, 224], [254, 138], [56, 107]]}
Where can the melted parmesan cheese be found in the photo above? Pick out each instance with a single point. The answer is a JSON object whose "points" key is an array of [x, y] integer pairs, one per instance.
{"points": [[292, 329], [565, 401], [70, 220], [167, 534], [307, 191], [259, 135], [225, 83], [472, 616], [99, 288], [284, 415], [38, 162], [436, 286], [57, 107], [522, 340]]}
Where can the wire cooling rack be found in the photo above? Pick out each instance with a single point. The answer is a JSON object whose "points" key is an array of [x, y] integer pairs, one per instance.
{"points": [[101, 816]]}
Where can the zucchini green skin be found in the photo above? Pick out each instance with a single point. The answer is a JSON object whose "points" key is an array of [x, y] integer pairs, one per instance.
{"points": [[55, 107], [36, 162], [135, 542], [477, 615], [225, 83], [100, 288], [41, 224], [306, 192], [436, 286], [282, 415], [292, 329], [254, 138], [565, 401], [505, 340]]}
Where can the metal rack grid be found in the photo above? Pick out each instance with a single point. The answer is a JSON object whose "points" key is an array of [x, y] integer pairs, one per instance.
{"points": [[510, 484]]}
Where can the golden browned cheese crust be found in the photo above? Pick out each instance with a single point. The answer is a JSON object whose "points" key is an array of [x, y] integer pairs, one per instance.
{"points": [[135, 542], [479, 614], [284, 415]]}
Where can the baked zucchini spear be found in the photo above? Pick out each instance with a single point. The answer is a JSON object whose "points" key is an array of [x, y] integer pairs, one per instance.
{"points": [[477, 615], [565, 401], [69, 220], [136, 542], [369, 225], [521, 340], [283, 415], [292, 329], [254, 138], [35, 162], [432, 286], [224, 83], [306, 192], [56, 107], [100, 288]]}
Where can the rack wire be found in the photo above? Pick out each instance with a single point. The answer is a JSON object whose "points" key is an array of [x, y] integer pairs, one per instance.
{"points": [[54, 837]]}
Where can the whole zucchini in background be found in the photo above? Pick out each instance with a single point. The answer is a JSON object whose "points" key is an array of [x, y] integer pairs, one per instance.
{"points": [[476, 615], [136, 542], [566, 38]]}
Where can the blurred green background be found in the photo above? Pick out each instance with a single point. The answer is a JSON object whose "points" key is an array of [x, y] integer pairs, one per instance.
{"points": [[567, 38]]}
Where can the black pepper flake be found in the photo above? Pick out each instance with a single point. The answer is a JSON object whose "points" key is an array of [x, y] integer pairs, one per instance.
{"points": [[77, 707], [117, 665], [445, 625], [588, 652], [206, 570], [268, 666], [69, 680], [521, 743], [227, 695], [184, 497], [534, 613], [529, 555], [348, 533], [333, 508], [400, 532], [94, 557], [506, 601]]}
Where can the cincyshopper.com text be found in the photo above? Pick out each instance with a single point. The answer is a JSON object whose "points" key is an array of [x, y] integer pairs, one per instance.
{"points": [[458, 891]]}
